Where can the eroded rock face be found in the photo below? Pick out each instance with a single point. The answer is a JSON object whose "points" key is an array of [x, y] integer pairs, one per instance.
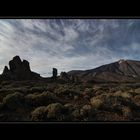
{"points": [[64, 76], [19, 70], [68, 77], [26, 65]]}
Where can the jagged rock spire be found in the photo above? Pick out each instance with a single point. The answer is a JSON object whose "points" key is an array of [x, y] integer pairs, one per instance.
{"points": [[19, 70], [54, 73], [6, 70]]}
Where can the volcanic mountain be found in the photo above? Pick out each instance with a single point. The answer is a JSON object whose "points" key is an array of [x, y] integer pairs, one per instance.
{"points": [[120, 71]]}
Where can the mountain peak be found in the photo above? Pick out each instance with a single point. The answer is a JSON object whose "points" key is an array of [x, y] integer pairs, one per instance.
{"points": [[121, 71], [122, 61]]}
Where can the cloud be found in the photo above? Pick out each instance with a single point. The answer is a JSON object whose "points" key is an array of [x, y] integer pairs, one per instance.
{"points": [[68, 44]]}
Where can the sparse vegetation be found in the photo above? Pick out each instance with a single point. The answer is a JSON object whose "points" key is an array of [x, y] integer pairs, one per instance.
{"points": [[68, 102]]}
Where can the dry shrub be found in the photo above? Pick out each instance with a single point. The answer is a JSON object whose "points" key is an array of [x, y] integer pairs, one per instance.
{"points": [[39, 114], [36, 89], [115, 103], [55, 111], [52, 112], [69, 106], [89, 92], [1, 105], [13, 101], [83, 113], [40, 99], [76, 115], [137, 90], [85, 110], [126, 111], [67, 94], [96, 102], [97, 87], [112, 103], [136, 100], [109, 116], [122, 94]]}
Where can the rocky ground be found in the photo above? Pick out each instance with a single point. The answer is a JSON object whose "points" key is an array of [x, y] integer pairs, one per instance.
{"points": [[56, 101]]}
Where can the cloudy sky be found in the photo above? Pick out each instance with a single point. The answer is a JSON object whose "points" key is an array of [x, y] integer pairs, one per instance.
{"points": [[68, 44]]}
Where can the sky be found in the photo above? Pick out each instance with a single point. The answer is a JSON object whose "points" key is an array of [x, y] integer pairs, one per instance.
{"points": [[68, 44]]}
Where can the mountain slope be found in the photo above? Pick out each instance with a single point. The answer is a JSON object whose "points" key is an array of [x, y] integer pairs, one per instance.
{"points": [[120, 71]]}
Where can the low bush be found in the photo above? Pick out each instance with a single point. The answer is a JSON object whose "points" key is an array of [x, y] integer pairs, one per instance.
{"points": [[85, 110], [39, 114], [69, 106], [55, 111], [126, 111], [68, 94], [137, 90], [97, 102], [136, 100], [89, 92], [112, 103], [36, 89], [1, 106], [52, 112], [14, 101], [123, 94], [76, 115], [40, 99], [84, 113]]}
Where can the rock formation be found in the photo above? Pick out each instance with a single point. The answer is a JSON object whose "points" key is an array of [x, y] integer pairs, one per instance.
{"points": [[19, 70], [54, 73], [6, 70], [64, 76], [68, 77]]}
